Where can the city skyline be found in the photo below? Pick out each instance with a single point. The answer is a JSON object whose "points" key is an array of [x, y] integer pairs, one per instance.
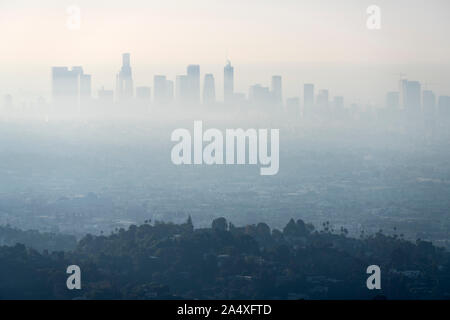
{"points": [[322, 42]]}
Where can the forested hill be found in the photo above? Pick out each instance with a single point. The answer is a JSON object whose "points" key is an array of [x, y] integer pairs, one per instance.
{"points": [[163, 260], [37, 240]]}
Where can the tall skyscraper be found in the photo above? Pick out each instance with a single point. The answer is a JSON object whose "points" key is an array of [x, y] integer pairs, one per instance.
{"points": [[228, 83], [193, 81], [160, 89], [402, 87], [308, 98], [70, 87], [322, 100], [428, 102], [209, 89], [413, 90], [182, 89], [276, 90], [125, 79], [259, 95]]}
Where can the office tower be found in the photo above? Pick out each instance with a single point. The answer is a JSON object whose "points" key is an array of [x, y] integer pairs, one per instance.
{"points": [[393, 100], [276, 89], [182, 89], [322, 100], [209, 89], [444, 107], [84, 85], [125, 79], [228, 83], [65, 88], [293, 106], [412, 96], [308, 98], [193, 81], [338, 103], [169, 92], [160, 89], [428, 102], [259, 95], [403, 85]]}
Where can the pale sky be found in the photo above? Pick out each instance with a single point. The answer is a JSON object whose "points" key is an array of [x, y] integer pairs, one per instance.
{"points": [[321, 41]]}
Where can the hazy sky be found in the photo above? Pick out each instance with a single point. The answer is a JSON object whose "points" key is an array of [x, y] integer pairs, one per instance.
{"points": [[321, 41]]}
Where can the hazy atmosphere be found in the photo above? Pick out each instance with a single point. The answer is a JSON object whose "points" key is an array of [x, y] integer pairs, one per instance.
{"points": [[217, 150]]}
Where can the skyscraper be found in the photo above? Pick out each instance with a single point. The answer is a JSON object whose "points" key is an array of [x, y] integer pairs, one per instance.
{"points": [[228, 82], [308, 98], [413, 103], [70, 87], [209, 89], [276, 90], [182, 89], [193, 82], [160, 89], [322, 100], [428, 102], [125, 79]]}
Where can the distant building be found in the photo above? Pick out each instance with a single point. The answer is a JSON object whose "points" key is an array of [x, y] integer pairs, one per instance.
{"points": [[182, 89], [308, 98], [209, 89], [70, 87], [428, 102], [228, 83], [276, 90], [259, 95], [163, 90], [338, 103], [322, 100], [413, 96], [193, 82], [124, 86]]}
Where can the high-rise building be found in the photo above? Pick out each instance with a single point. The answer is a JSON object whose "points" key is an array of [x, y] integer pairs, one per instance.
{"points": [[228, 83], [193, 82], [170, 91], [393, 100], [308, 98], [322, 100], [428, 102], [259, 95], [106, 97], [125, 79], [276, 90], [70, 87], [412, 96], [182, 89], [402, 87], [338, 103], [160, 89], [209, 89]]}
